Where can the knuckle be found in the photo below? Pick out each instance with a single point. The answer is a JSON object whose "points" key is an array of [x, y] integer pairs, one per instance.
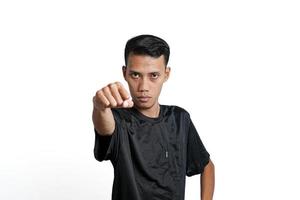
{"points": [[98, 95], [119, 102], [118, 84], [110, 85], [113, 86], [106, 104], [99, 92], [106, 89], [113, 104]]}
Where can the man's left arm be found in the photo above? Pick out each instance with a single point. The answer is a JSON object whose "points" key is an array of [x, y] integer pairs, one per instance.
{"points": [[208, 181]]}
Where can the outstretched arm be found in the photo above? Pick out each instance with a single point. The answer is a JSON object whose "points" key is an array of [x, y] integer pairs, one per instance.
{"points": [[112, 96], [208, 181]]}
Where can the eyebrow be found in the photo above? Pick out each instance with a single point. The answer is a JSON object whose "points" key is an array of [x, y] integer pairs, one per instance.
{"points": [[154, 72]]}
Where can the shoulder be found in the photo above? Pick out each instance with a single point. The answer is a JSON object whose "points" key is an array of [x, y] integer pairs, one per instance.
{"points": [[177, 110]]}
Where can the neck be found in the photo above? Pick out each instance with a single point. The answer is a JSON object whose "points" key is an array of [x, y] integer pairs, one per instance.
{"points": [[152, 112]]}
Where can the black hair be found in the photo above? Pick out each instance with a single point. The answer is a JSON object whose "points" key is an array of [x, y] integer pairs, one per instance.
{"points": [[149, 45]]}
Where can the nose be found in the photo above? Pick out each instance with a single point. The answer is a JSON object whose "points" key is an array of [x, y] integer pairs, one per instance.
{"points": [[143, 85]]}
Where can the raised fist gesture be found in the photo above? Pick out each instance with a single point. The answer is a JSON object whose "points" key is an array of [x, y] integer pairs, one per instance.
{"points": [[114, 95]]}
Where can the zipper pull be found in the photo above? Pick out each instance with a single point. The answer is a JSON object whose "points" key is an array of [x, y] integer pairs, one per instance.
{"points": [[167, 153]]}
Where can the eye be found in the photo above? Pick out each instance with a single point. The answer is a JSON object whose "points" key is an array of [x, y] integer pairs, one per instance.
{"points": [[154, 75], [135, 75]]}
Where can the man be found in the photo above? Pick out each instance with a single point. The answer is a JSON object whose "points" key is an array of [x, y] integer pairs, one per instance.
{"points": [[152, 147]]}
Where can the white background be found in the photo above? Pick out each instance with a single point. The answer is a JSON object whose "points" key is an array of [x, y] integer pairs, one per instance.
{"points": [[235, 68]]}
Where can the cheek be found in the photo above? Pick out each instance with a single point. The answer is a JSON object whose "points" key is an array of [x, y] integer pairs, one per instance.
{"points": [[158, 87], [132, 85]]}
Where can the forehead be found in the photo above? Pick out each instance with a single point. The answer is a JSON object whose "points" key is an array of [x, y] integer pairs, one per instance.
{"points": [[145, 63]]}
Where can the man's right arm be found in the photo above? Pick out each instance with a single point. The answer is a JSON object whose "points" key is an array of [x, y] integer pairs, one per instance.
{"points": [[113, 95], [103, 120]]}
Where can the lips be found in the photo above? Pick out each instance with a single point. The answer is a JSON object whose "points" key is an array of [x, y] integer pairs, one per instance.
{"points": [[143, 99]]}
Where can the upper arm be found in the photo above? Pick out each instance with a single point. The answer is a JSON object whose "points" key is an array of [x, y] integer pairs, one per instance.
{"points": [[197, 155], [107, 145]]}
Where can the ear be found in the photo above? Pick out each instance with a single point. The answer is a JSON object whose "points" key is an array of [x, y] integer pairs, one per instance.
{"points": [[124, 68], [167, 73]]}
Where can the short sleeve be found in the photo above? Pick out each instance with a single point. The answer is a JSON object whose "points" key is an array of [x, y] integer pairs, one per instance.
{"points": [[106, 147], [197, 156]]}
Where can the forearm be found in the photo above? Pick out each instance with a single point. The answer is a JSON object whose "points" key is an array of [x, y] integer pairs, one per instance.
{"points": [[208, 182], [103, 121]]}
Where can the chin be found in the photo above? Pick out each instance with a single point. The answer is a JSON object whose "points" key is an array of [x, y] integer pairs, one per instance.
{"points": [[144, 105]]}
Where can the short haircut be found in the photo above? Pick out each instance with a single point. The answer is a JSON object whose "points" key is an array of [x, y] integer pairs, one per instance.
{"points": [[149, 45]]}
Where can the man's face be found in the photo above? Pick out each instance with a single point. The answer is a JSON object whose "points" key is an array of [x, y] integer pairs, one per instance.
{"points": [[145, 76]]}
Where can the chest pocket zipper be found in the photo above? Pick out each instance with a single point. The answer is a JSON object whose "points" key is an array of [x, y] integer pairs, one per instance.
{"points": [[165, 138]]}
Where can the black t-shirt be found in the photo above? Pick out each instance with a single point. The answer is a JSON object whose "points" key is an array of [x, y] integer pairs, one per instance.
{"points": [[152, 156]]}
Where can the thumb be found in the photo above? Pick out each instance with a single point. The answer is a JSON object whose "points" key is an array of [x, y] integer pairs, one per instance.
{"points": [[128, 103]]}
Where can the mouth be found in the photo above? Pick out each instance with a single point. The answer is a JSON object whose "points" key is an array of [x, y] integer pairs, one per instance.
{"points": [[143, 99]]}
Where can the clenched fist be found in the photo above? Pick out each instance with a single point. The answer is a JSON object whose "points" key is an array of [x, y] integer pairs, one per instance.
{"points": [[114, 95]]}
